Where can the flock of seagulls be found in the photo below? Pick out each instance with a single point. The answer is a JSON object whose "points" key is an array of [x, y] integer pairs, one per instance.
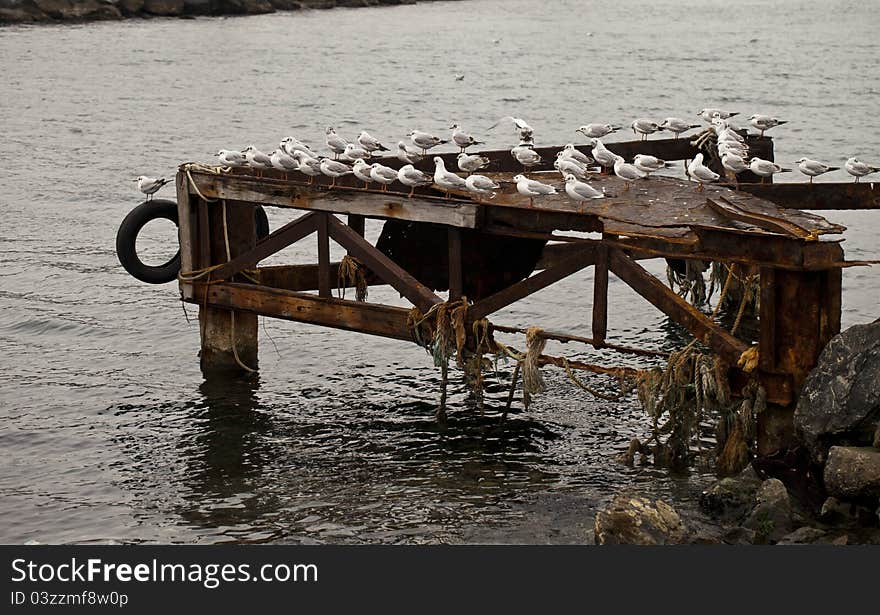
{"points": [[576, 167]]}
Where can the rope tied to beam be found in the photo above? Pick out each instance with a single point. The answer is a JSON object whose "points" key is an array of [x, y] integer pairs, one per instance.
{"points": [[352, 272]]}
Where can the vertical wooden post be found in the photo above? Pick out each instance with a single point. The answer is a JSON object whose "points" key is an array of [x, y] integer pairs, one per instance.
{"points": [[456, 281], [357, 223], [187, 236], [323, 257], [229, 339], [767, 319], [600, 294]]}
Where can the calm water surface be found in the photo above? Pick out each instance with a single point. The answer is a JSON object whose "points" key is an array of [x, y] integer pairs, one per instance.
{"points": [[108, 431]]}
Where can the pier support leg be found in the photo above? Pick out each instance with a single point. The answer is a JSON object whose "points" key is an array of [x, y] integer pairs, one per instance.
{"points": [[229, 341]]}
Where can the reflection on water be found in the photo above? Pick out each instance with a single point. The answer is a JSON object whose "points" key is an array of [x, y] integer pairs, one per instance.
{"points": [[107, 432]]}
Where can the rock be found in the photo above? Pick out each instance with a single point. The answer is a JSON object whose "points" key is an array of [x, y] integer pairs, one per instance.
{"points": [[802, 536], [77, 10], [876, 443], [835, 511], [730, 499], [242, 7], [771, 517], [163, 7], [638, 521], [739, 536], [129, 7], [853, 472], [839, 404]]}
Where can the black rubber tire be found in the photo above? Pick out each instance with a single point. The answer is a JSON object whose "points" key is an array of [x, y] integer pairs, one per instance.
{"points": [[126, 240], [140, 216]]}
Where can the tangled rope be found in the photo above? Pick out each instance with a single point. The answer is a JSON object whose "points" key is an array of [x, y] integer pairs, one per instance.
{"points": [[352, 273]]}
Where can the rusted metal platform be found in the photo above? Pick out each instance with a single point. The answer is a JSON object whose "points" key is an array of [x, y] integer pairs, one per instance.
{"points": [[488, 249]]}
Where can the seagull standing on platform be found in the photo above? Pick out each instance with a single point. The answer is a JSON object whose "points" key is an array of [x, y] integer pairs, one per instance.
{"points": [[410, 176], [335, 142], [701, 173], [602, 154], [627, 172], [597, 131], [370, 143], [858, 169], [446, 179], [764, 168], [708, 114], [425, 140], [407, 154], [462, 139], [531, 188], [352, 152], [813, 168], [765, 122], [734, 163], [570, 151], [581, 191], [480, 184], [256, 159], [645, 127], [361, 170], [308, 166], [649, 164], [231, 158], [525, 155], [383, 175], [334, 169], [471, 163], [150, 185], [281, 161], [570, 166], [292, 144], [677, 125]]}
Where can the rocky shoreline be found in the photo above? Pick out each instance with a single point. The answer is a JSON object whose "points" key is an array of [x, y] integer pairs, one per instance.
{"points": [[62, 11]]}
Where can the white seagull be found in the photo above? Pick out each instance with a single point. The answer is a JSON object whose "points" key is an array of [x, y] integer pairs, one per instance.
{"points": [[407, 154], [480, 184], [525, 155], [352, 152], [410, 176], [470, 163], [335, 142], [425, 140], [708, 114], [525, 131], [532, 188], [383, 175], [334, 169], [765, 122], [570, 166], [446, 179], [292, 144], [602, 154], [150, 185], [581, 191], [462, 139], [765, 168], [813, 168], [231, 158], [627, 172], [256, 158], [645, 127], [649, 164], [570, 151], [734, 163], [701, 173], [281, 161], [857, 168], [370, 143], [361, 170], [596, 131], [677, 125], [308, 165]]}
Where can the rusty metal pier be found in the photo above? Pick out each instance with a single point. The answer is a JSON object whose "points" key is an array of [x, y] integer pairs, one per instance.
{"points": [[487, 251]]}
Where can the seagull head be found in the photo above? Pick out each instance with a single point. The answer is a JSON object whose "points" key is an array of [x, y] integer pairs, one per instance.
{"points": [[249, 148], [438, 161], [518, 178], [139, 178], [330, 130], [570, 178], [411, 133], [753, 116], [700, 112], [453, 127], [460, 156], [800, 160]]}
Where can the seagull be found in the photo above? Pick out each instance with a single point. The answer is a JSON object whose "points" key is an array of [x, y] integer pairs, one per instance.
{"points": [[281, 161], [369, 143], [462, 139], [256, 158], [150, 185], [334, 169], [335, 142], [525, 155], [361, 170], [734, 163], [383, 175], [602, 154], [765, 168], [645, 127], [729, 134], [446, 179], [532, 188], [410, 176], [701, 173], [425, 140], [813, 168], [480, 184], [732, 147], [570, 166], [581, 191], [649, 164], [525, 131], [570, 151], [676, 125], [292, 144], [627, 172], [765, 122], [469, 163], [708, 114], [596, 131], [857, 168], [407, 154], [231, 158], [352, 152], [308, 165]]}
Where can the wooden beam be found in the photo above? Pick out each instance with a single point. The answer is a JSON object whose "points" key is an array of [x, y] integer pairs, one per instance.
{"points": [[186, 221], [454, 260], [280, 193], [575, 262], [600, 295], [323, 256], [356, 223], [384, 321], [767, 320], [278, 240], [819, 196], [679, 310], [417, 293], [205, 257]]}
